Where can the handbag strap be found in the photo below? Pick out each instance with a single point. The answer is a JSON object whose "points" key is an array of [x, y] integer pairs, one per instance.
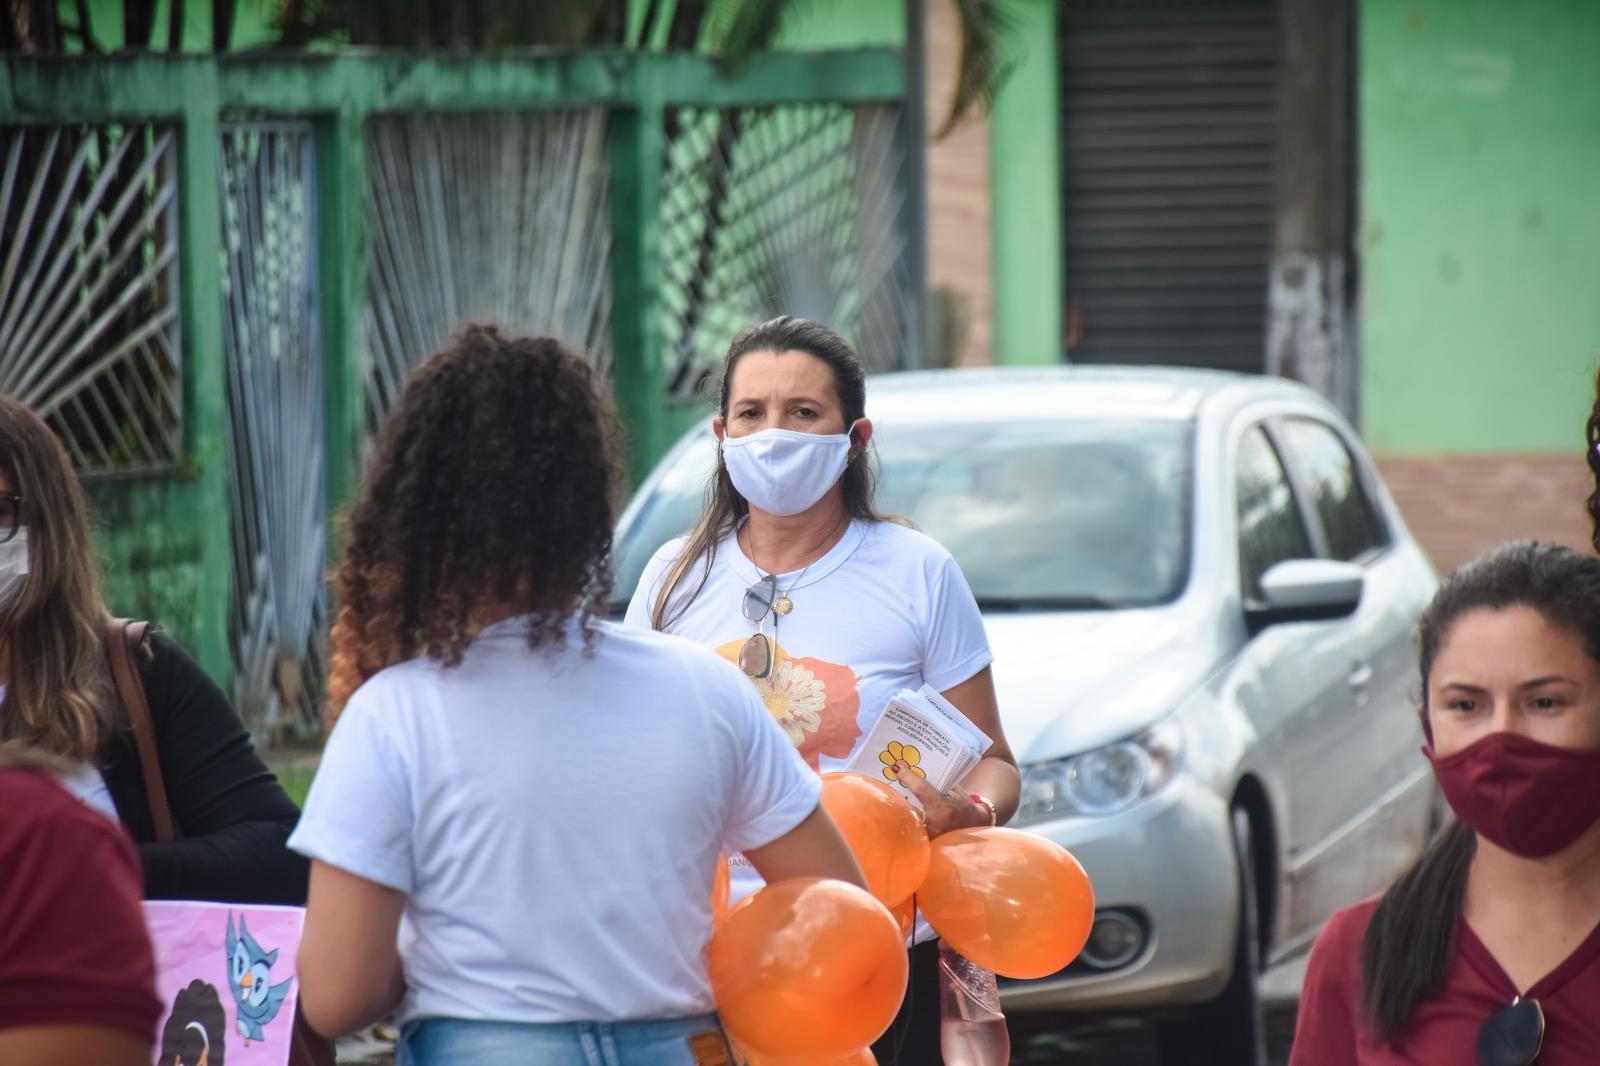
{"points": [[122, 636]]}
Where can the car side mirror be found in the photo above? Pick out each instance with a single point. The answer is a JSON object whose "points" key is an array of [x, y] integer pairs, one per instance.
{"points": [[1308, 590]]}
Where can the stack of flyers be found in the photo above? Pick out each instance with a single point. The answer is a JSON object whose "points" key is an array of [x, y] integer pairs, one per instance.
{"points": [[925, 731]]}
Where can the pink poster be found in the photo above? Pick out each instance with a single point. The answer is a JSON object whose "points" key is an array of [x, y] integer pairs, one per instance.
{"points": [[225, 974]]}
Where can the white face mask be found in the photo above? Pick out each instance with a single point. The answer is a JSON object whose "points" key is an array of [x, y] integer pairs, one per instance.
{"points": [[783, 471], [13, 568]]}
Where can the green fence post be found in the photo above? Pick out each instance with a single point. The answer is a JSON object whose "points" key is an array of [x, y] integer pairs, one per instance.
{"points": [[1025, 194], [342, 268], [205, 387], [635, 140]]}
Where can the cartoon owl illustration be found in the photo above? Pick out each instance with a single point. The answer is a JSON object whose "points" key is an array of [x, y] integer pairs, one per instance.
{"points": [[248, 970]]}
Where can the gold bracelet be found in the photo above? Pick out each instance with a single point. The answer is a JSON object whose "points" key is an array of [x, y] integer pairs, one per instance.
{"points": [[994, 816]]}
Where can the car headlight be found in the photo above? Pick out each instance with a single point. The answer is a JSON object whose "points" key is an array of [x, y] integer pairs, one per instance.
{"points": [[1102, 781]]}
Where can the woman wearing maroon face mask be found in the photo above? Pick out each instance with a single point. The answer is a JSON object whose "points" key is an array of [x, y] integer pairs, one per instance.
{"points": [[1488, 950]]}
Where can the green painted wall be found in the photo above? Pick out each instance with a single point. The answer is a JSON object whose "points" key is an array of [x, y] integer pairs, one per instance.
{"points": [[1025, 192], [1480, 137], [160, 565]]}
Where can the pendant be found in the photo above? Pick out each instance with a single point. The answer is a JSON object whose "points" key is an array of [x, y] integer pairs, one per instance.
{"points": [[782, 606]]}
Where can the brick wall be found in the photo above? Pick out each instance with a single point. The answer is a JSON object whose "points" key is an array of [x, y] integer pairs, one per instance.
{"points": [[958, 199], [1459, 506]]}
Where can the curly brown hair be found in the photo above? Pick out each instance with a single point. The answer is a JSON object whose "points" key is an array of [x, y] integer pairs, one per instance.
{"points": [[492, 494], [1592, 454]]}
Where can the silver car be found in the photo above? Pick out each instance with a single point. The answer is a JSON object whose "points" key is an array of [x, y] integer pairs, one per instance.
{"points": [[1200, 599]]}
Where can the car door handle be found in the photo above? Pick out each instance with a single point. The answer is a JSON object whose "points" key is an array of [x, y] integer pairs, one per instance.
{"points": [[1360, 675]]}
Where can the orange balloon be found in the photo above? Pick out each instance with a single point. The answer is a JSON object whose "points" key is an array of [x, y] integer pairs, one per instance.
{"points": [[807, 968], [1010, 901], [884, 832], [905, 912], [720, 888], [863, 1057]]}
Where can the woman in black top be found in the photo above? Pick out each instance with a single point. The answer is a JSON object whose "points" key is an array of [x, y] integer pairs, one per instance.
{"points": [[59, 696]]}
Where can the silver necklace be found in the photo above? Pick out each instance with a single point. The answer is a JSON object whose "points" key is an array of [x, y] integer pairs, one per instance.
{"points": [[782, 604]]}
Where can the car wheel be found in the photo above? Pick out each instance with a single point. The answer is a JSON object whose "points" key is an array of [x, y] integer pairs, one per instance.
{"points": [[1228, 1031]]}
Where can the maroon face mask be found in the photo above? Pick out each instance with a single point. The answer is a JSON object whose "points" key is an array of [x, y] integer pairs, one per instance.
{"points": [[1532, 799]]}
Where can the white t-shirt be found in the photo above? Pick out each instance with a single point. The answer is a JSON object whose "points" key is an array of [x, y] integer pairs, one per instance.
{"points": [[554, 819], [886, 608], [85, 782]]}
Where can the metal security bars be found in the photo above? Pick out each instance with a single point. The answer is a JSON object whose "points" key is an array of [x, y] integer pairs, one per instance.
{"points": [[89, 289], [531, 188], [272, 344], [502, 217], [793, 209]]}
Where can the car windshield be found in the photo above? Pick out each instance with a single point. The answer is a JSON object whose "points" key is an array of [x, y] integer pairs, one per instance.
{"points": [[1057, 515]]}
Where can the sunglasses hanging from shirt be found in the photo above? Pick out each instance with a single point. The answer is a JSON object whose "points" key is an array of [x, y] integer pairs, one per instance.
{"points": [[1512, 1035], [755, 657]]}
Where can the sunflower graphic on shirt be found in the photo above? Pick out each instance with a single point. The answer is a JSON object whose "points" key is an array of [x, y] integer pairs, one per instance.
{"points": [[816, 702]]}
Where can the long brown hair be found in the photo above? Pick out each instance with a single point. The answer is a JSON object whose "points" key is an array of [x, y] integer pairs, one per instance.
{"points": [[15, 755], [492, 492], [725, 508], [1409, 944], [59, 696]]}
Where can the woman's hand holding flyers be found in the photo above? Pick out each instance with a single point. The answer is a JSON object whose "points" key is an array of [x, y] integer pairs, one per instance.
{"points": [[943, 811]]}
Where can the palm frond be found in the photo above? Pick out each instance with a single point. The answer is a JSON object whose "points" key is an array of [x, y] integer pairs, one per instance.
{"points": [[987, 37], [739, 29]]}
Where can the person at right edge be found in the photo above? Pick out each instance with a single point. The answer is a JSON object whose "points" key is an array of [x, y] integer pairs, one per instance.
{"points": [[1488, 950]]}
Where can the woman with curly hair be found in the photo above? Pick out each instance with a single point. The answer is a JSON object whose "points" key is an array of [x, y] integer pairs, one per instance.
{"points": [[518, 815]]}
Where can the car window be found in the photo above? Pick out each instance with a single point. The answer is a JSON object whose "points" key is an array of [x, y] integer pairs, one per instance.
{"points": [[1270, 527], [1091, 512], [669, 510], [1353, 524], [1084, 513]]}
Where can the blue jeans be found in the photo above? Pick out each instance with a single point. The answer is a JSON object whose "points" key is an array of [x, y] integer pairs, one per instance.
{"points": [[451, 1041]]}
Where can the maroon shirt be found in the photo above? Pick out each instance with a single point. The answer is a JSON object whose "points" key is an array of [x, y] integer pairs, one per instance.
{"points": [[1444, 1028], [74, 949]]}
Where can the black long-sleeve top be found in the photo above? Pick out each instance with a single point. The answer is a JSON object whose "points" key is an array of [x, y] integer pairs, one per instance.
{"points": [[233, 816]]}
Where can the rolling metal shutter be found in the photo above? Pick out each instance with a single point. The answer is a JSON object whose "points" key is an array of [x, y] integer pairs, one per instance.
{"points": [[1168, 142]]}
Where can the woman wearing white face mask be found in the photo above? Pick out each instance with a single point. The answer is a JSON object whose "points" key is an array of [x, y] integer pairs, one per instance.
{"points": [[57, 694], [830, 609]]}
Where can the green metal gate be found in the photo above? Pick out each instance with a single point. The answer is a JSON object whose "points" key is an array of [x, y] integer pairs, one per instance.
{"points": [[249, 252]]}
